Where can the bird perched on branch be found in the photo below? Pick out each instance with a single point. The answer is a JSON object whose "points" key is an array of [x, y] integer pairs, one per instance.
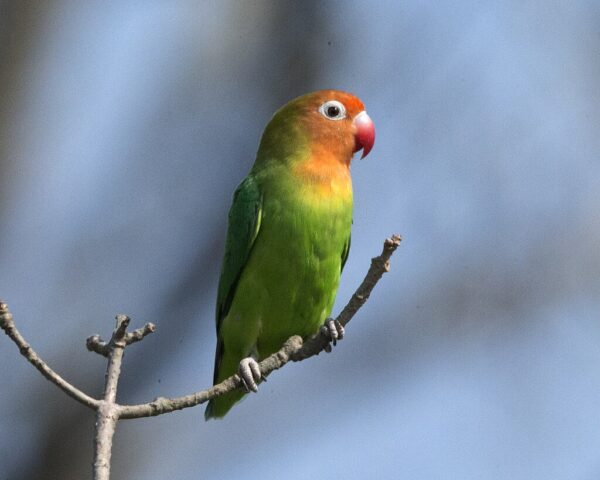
{"points": [[288, 236]]}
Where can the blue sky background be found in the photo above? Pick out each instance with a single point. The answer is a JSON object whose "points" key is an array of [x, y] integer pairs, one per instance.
{"points": [[124, 129]]}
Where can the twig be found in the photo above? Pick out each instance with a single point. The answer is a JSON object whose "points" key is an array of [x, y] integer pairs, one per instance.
{"points": [[7, 324], [96, 344], [293, 349], [108, 412], [107, 415]]}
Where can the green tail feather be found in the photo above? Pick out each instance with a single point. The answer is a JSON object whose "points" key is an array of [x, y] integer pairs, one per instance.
{"points": [[218, 407]]}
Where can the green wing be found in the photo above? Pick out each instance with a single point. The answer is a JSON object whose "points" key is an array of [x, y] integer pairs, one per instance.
{"points": [[244, 223]]}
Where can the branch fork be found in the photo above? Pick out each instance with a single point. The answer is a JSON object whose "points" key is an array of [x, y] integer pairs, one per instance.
{"points": [[109, 412], [96, 344]]}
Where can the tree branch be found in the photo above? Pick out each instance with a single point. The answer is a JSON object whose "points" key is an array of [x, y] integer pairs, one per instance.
{"points": [[108, 412], [107, 415], [293, 349], [7, 324], [96, 344]]}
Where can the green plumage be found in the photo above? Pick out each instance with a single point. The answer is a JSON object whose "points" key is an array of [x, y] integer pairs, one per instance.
{"points": [[286, 245]]}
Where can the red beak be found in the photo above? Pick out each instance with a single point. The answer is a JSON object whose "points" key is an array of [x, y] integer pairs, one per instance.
{"points": [[365, 133]]}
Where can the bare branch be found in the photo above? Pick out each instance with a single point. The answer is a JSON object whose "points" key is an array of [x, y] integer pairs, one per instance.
{"points": [[293, 349], [379, 266], [139, 333], [107, 415], [7, 324], [99, 346], [108, 412], [96, 344]]}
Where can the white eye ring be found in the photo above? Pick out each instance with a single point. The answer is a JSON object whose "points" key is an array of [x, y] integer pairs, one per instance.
{"points": [[333, 110]]}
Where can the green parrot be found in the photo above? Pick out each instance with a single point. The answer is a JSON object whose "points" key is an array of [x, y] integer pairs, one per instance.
{"points": [[288, 236]]}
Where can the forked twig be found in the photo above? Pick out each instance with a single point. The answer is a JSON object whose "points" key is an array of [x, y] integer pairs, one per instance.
{"points": [[109, 412]]}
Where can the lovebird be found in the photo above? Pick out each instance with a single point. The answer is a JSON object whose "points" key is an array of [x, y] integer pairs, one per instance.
{"points": [[288, 235]]}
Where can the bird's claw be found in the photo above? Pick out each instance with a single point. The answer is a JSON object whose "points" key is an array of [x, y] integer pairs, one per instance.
{"points": [[334, 330], [249, 372]]}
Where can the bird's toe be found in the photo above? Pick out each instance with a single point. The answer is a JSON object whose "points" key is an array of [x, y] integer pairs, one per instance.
{"points": [[334, 330], [249, 372]]}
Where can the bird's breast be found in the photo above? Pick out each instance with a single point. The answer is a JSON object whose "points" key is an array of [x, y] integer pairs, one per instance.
{"points": [[295, 266], [323, 180]]}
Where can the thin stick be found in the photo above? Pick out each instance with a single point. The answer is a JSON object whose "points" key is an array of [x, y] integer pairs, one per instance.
{"points": [[7, 324], [96, 344], [108, 413], [293, 349]]}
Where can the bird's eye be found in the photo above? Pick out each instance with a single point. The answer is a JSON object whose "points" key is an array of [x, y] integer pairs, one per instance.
{"points": [[333, 110]]}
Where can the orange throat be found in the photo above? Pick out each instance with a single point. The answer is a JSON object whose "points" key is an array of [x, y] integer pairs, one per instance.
{"points": [[325, 175]]}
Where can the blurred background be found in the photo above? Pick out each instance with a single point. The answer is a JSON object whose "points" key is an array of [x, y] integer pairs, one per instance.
{"points": [[124, 129]]}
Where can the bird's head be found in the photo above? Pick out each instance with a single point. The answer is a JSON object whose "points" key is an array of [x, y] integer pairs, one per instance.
{"points": [[329, 123]]}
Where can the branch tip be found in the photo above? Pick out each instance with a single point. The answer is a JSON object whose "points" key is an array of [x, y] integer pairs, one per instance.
{"points": [[121, 327], [120, 336], [97, 345], [393, 242], [139, 333]]}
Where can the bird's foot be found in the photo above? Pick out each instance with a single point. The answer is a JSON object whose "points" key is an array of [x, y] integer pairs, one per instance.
{"points": [[249, 372], [334, 330]]}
